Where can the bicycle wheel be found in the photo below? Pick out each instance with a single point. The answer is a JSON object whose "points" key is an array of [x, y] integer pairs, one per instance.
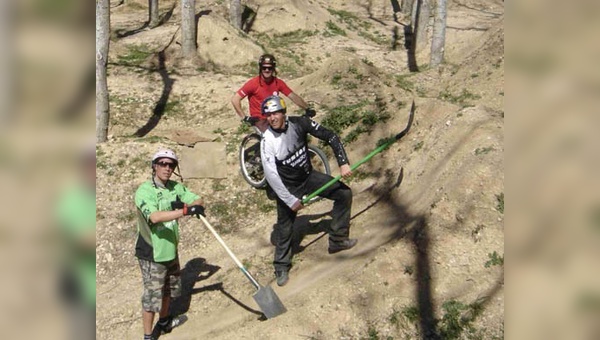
{"points": [[320, 163], [250, 163], [318, 160]]}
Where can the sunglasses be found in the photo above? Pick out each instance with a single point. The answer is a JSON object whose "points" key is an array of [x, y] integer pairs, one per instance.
{"points": [[165, 164], [267, 68]]}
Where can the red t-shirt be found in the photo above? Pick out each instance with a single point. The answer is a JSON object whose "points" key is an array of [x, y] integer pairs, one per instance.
{"points": [[256, 89]]}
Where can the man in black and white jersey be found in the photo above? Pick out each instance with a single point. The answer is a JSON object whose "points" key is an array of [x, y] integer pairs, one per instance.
{"points": [[284, 153]]}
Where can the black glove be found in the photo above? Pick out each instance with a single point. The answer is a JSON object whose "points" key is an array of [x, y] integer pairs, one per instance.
{"points": [[310, 112], [177, 204], [193, 210], [250, 120]]}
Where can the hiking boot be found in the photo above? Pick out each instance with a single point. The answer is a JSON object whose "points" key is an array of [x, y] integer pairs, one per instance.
{"points": [[335, 247], [282, 277]]}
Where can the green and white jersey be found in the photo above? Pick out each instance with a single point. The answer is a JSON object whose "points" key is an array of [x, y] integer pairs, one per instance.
{"points": [[158, 241]]}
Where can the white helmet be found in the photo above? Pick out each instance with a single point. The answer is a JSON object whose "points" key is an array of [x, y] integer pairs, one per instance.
{"points": [[165, 153]]}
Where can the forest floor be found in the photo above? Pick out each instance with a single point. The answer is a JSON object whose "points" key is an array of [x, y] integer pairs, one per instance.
{"points": [[428, 212]]}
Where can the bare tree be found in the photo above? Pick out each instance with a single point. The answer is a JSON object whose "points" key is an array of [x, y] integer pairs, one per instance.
{"points": [[102, 42], [438, 41], [235, 14], [188, 28], [153, 20], [406, 7], [420, 19]]}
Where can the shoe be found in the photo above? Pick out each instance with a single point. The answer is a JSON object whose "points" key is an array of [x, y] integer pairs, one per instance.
{"points": [[172, 323], [335, 247], [282, 277]]}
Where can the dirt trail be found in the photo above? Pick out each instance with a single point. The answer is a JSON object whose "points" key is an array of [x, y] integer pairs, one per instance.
{"points": [[428, 212]]}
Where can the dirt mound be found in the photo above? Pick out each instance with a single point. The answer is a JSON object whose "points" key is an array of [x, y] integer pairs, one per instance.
{"points": [[281, 16], [224, 46], [482, 70]]}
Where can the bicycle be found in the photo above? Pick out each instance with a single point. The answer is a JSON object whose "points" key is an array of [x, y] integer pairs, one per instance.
{"points": [[251, 163]]}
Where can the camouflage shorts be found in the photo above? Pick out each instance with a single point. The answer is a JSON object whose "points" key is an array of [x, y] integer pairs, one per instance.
{"points": [[159, 278]]}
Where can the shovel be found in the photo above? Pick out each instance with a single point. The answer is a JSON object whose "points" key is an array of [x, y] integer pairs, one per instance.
{"points": [[384, 146], [265, 297]]}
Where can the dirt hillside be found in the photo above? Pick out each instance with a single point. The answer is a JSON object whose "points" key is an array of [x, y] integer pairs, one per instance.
{"points": [[428, 212]]}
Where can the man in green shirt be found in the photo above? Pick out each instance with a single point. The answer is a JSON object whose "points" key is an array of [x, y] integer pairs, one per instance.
{"points": [[160, 203]]}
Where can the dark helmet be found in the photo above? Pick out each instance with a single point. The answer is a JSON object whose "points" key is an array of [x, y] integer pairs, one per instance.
{"points": [[272, 104], [267, 59]]}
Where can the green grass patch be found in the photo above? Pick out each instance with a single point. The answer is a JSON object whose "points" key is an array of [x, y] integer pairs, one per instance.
{"points": [[404, 83], [333, 29], [335, 80], [451, 324], [135, 55], [174, 107], [367, 61], [418, 146], [355, 115], [372, 333], [483, 151], [500, 200], [289, 38], [99, 151], [495, 260], [411, 313], [341, 117], [376, 37], [345, 16], [350, 19], [247, 264], [463, 99]]}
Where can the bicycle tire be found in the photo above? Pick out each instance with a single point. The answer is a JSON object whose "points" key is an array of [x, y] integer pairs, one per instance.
{"points": [[250, 163], [320, 163]]}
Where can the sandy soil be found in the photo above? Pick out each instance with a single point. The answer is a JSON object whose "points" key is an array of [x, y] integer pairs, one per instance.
{"points": [[426, 212]]}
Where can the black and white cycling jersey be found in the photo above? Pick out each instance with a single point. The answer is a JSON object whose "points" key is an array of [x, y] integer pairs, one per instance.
{"points": [[284, 154]]}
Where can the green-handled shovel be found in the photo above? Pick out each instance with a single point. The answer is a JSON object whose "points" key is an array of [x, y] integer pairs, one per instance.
{"points": [[368, 157], [265, 297]]}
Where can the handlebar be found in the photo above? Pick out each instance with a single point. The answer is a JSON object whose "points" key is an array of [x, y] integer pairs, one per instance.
{"points": [[250, 120]]}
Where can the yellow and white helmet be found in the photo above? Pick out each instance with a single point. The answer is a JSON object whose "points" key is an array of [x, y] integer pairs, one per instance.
{"points": [[273, 104]]}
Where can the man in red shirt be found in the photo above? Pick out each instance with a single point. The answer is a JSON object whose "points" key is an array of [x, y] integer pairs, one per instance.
{"points": [[262, 86]]}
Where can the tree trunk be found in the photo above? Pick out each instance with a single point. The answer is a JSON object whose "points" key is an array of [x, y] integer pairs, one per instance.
{"points": [[153, 20], [102, 41], [406, 7], [420, 19], [188, 28], [235, 14], [438, 40]]}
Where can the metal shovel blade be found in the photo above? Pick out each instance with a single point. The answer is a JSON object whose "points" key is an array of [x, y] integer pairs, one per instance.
{"points": [[269, 302]]}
